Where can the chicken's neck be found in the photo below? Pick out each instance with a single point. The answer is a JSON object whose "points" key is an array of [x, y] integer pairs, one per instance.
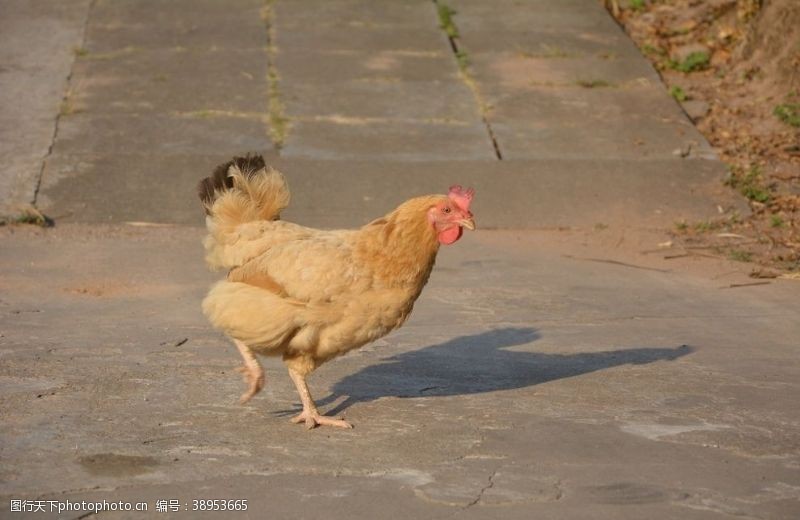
{"points": [[401, 248]]}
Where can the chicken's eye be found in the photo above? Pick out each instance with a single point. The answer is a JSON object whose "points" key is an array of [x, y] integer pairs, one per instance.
{"points": [[446, 210]]}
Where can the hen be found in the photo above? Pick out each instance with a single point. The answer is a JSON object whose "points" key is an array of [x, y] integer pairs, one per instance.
{"points": [[306, 294]]}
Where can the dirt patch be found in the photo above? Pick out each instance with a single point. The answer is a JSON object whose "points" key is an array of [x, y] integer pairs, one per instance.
{"points": [[734, 65], [101, 289], [116, 465]]}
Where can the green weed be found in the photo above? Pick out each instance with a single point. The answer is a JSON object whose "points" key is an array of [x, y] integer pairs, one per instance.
{"points": [[704, 226], [775, 221], [278, 122], [636, 5], [678, 93], [446, 20], [789, 113], [695, 61], [749, 184], [651, 49], [740, 256]]}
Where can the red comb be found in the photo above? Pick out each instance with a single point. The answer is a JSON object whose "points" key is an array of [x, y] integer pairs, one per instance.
{"points": [[461, 197]]}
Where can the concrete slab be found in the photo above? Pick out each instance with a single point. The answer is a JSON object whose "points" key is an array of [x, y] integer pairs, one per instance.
{"points": [[194, 24], [533, 379], [320, 65], [556, 374], [361, 102], [411, 39], [571, 16], [33, 79], [86, 133], [555, 43], [89, 188], [567, 82], [22, 161], [367, 189], [392, 140], [120, 188], [518, 70], [594, 122], [587, 123], [312, 16], [167, 80], [377, 106]]}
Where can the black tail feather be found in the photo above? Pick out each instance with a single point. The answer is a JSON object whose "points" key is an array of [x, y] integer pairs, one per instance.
{"points": [[220, 181]]}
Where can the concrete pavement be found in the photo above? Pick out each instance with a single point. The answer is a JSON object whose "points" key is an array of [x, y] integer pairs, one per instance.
{"points": [[543, 108], [34, 80], [601, 371], [530, 381]]}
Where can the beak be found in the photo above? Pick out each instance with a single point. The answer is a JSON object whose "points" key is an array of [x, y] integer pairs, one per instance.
{"points": [[467, 223]]}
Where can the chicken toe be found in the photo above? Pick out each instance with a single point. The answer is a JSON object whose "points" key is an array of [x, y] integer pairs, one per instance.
{"points": [[313, 419], [310, 415]]}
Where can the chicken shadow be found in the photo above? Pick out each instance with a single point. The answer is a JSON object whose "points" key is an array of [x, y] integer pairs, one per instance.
{"points": [[479, 363]]}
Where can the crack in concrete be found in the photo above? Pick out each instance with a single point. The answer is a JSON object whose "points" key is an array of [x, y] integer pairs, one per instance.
{"points": [[85, 515], [64, 102], [489, 485], [445, 13], [483, 490], [278, 122]]}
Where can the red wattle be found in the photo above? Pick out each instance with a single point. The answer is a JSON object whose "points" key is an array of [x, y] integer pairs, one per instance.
{"points": [[449, 236]]}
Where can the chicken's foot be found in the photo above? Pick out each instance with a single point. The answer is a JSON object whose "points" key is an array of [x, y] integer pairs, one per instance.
{"points": [[252, 372], [310, 415]]}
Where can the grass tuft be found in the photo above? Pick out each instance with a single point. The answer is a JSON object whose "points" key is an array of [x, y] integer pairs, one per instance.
{"points": [[278, 121], [776, 221], [750, 184], [789, 113], [30, 216], [636, 5], [740, 256], [446, 20], [678, 93], [704, 226], [695, 61]]}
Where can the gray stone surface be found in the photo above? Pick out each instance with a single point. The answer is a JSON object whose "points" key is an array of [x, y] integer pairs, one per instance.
{"points": [[101, 188], [33, 79], [396, 96], [589, 94], [159, 93], [187, 24], [347, 193], [530, 381], [165, 81], [408, 142], [549, 374], [157, 136], [306, 65]]}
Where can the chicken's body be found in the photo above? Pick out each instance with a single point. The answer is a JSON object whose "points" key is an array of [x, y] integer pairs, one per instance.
{"points": [[305, 294]]}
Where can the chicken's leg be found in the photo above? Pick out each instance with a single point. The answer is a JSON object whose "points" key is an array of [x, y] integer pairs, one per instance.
{"points": [[310, 414], [252, 371]]}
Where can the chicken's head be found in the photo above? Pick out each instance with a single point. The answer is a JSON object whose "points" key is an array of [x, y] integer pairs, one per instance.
{"points": [[449, 217]]}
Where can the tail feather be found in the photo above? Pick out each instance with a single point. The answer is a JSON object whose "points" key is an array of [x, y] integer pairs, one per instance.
{"points": [[221, 180], [240, 191]]}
